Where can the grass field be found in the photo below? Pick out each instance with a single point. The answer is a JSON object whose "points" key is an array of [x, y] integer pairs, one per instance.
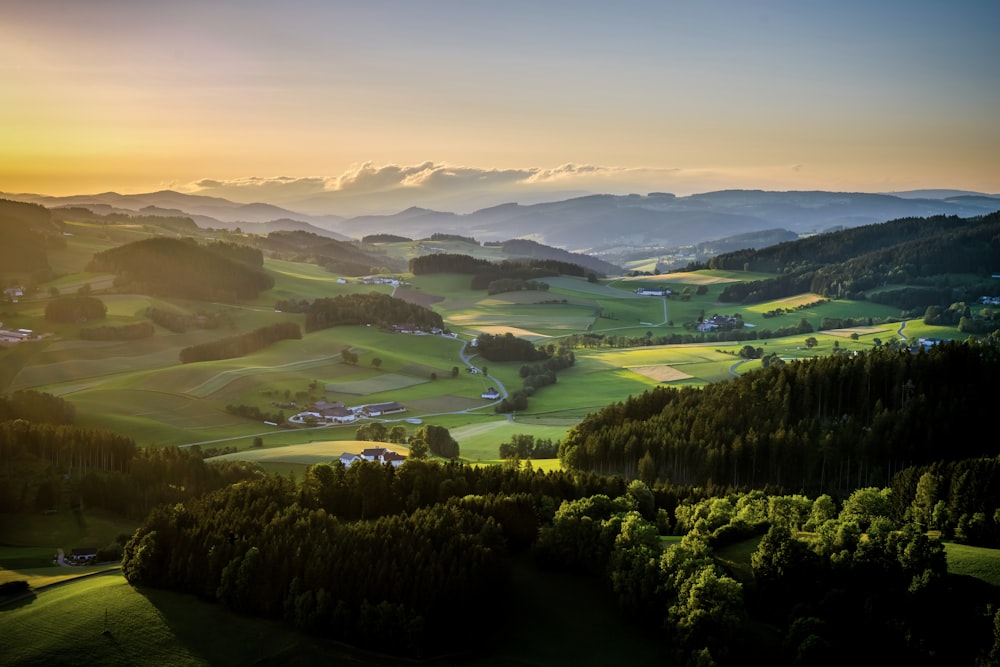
{"points": [[138, 388], [978, 562], [104, 620]]}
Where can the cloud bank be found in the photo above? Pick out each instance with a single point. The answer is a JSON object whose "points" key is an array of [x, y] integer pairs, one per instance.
{"points": [[371, 188]]}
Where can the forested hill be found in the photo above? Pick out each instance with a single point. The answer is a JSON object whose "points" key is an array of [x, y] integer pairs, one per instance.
{"points": [[532, 250], [25, 232], [336, 256], [183, 268], [850, 263], [825, 425]]}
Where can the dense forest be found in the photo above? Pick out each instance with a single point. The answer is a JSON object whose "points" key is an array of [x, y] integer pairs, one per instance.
{"points": [[408, 551], [485, 272], [850, 263], [824, 425], [372, 308], [26, 233], [186, 269], [340, 257], [48, 463]]}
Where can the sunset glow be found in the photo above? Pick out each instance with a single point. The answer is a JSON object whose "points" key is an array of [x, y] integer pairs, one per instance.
{"points": [[599, 97]]}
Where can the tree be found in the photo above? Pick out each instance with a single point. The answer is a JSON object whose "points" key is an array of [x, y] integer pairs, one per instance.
{"points": [[647, 468], [438, 440], [418, 448], [811, 342], [397, 434], [454, 371], [376, 362]]}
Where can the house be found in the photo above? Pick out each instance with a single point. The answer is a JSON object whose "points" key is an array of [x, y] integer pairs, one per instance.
{"points": [[373, 453], [85, 555], [377, 409], [13, 293], [348, 459], [395, 459], [652, 291], [383, 455], [716, 322], [491, 394]]}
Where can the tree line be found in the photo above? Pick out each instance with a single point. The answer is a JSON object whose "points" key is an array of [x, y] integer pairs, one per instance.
{"points": [[184, 268], [133, 331], [849, 263], [821, 425], [485, 272], [77, 308], [372, 308], [242, 344]]}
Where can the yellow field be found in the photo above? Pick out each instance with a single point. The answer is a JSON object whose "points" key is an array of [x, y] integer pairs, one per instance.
{"points": [[501, 330], [683, 278]]}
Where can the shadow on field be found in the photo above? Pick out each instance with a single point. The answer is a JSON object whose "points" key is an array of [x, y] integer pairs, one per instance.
{"points": [[12, 602], [555, 618]]}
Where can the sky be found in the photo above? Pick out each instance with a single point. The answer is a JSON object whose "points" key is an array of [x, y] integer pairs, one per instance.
{"points": [[339, 105]]}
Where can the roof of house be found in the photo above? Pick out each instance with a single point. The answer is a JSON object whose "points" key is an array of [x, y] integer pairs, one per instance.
{"points": [[392, 405]]}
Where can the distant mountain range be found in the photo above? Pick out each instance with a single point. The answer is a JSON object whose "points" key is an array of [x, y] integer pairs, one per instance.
{"points": [[591, 223]]}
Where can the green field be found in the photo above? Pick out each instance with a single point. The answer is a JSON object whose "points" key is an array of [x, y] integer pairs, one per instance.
{"points": [[978, 562], [139, 388], [104, 620]]}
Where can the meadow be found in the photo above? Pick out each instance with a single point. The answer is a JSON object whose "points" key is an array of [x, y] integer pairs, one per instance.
{"points": [[139, 387]]}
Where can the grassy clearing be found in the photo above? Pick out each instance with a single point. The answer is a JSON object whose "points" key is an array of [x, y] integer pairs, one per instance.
{"points": [[66, 530], [978, 562], [481, 441], [375, 385], [29, 543]]}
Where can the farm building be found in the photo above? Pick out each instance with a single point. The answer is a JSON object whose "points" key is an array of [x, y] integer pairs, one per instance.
{"points": [[349, 459], [491, 394], [377, 409], [87, 555], [652, 291], [716, 322]]}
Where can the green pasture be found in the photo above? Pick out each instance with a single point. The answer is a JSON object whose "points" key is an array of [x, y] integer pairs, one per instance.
{"points": [[978, 562], [29, 542], [480, 441], [104, 620], [300, 281]]}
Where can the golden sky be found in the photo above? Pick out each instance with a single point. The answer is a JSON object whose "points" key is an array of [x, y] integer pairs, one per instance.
{"points": [[246, 99]]}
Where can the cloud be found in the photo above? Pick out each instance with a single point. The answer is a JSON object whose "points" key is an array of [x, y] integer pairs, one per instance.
{"points": [[387, 188]]}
